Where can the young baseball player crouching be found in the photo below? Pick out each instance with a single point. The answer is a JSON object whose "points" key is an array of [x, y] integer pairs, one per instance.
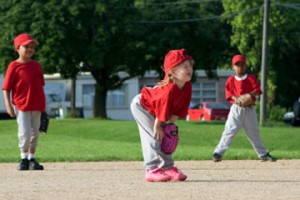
{"points": [[241, 90], [164, 103]]}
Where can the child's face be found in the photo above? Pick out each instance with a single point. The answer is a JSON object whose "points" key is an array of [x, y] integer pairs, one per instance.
{"points": [[183, 72], [26, 51], [240, 68]]}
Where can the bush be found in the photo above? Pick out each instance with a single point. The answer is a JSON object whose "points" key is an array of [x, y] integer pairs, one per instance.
{"points": [[274, 113]]}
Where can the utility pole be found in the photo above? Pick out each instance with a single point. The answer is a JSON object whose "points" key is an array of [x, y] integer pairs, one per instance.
{"points": [[264, 61]]}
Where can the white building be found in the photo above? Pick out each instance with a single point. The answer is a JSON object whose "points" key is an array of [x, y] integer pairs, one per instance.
{"points": [[118, 101]]}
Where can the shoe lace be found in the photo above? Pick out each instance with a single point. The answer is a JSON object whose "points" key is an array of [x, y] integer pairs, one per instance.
{"points": [[174, 169], [157, 171]]}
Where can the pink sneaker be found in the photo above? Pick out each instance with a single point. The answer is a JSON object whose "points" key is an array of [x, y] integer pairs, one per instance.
{"points": [[157, 175], [176, 174]]}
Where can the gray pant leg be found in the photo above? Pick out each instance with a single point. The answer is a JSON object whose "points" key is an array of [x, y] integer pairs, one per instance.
{"points": [[252, 131], [35, 125], [28, 128], [153, 157], [232, 126]]}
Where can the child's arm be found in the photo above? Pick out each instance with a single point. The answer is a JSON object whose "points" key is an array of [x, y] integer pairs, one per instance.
{"points": [[173, 119], [9, 108], [254, 93], [158, 132], [234, 98]]}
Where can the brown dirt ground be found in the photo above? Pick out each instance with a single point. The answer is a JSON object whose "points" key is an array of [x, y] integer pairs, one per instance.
{"points": [[227, 180]]}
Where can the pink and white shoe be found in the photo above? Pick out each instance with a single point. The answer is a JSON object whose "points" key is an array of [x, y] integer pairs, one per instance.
{"points": [[157, 175], [175, 174]]}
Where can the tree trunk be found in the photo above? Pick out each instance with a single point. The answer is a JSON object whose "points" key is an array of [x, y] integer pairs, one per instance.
{"points": [[100, 101]]}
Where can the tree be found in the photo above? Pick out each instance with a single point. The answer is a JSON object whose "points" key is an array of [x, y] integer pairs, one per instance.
{"points": [[52, 24], [100, 34], [284, 44], [285, 48], [111, 46], [185, 24], [105, 37]]}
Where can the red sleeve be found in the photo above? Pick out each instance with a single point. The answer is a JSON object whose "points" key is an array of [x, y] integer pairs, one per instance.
{"points": [[229, 88], [157, 100], [9, 78], [255, 84], [162, 111]]}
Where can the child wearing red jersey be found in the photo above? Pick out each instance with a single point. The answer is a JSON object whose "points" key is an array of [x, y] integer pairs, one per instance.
{"points": [[164, 103], [24, 82], [237, 85]]}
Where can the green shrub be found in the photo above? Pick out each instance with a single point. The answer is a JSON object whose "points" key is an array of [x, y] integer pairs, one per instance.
{"points": [[275, 113]]}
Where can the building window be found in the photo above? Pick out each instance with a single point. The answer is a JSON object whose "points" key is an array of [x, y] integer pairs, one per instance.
{"points": [[204, 91], [117, 98], [88, 95]]}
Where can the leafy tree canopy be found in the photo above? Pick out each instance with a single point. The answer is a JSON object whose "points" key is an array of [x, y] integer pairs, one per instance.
{"points": [[184, 24], [99, 34], [283, 41]]}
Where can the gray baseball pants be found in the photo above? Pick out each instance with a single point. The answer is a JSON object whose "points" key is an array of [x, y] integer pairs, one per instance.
{"points": [[153, 157], [241, 117], [28, 128]]}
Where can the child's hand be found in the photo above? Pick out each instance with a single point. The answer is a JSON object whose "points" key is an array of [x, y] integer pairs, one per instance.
{"points": [[158, 133], [11, 111], [245, 100]]}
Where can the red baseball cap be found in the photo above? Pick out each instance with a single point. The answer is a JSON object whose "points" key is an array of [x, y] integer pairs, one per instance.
{"points": [[24, 39], [238, 58], [174, 58]]}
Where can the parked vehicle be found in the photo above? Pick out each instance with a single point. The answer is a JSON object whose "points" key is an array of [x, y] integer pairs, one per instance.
{"points": [[207, 111], [293, 117], [288, 117]]}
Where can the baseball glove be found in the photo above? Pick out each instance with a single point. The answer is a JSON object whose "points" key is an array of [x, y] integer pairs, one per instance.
{"points": [[170, 139], [245, 100], [44, 123]]}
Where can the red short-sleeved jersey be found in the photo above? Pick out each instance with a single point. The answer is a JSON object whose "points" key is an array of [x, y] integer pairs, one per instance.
{"points": [[166, 101], [237, 86], [26, 81]]}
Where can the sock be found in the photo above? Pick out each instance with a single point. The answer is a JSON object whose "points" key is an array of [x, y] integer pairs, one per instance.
{"points": [[24, 155], [30, 156]]}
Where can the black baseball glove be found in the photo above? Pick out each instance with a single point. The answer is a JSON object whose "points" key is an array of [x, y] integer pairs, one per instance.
{"points": [[44, 123]]}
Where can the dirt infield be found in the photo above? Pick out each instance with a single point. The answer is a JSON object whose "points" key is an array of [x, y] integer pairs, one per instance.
{"points": [[232, 180]]}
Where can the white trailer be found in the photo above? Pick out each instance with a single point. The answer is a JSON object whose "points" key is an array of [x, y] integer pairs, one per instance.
{"points": [[3, 113], [55, 99]]}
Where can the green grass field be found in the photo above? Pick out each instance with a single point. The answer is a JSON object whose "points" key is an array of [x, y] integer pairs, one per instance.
{"points": [[70, 140]]}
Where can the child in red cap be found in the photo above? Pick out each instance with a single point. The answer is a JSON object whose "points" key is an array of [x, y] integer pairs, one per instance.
{"points": [[24, 82], [164, 103], [241, 116]]}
